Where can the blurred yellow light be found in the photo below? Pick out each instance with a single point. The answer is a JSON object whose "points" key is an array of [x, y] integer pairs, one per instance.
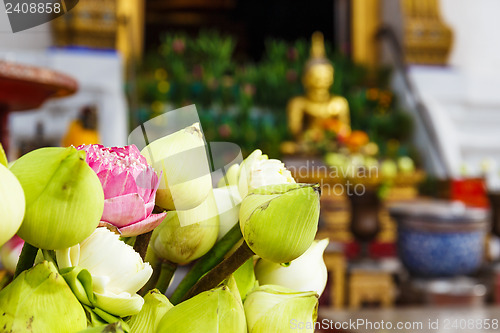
{"points": [[163, 87], [161, 74], [157, 106]]}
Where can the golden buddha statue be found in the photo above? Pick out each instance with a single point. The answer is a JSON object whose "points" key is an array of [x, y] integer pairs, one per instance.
{"points": [[310, 112]]}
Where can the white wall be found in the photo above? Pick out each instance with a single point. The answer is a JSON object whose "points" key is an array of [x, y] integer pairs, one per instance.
{"points": [[476, 49], [476, 27]]}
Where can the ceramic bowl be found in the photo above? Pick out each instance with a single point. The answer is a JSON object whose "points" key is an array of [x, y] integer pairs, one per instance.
{"points": [[439, 238]]}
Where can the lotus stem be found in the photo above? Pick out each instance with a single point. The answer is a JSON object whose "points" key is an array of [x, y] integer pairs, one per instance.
{"points": [[141, 244], [26, 259], [207, 262], [220, 272], [153, 280], [167, 272]]}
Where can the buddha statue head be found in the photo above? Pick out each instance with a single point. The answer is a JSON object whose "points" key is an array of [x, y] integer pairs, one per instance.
{"points": [[318, 72]]}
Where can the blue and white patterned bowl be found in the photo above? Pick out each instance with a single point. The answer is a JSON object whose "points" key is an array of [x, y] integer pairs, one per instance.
{"points": [[437, 239]]}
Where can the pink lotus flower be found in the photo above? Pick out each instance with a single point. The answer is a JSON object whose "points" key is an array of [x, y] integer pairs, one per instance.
{"points": [[10, 252], [129, 185]]}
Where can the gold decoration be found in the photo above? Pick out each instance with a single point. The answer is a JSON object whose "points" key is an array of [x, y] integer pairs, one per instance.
{"points": [[427, 39], [365, 20], [103, 24]]}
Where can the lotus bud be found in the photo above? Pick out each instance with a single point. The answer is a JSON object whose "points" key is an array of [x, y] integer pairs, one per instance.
{"points": [[228, 202], [155, 306], [244, 277], [12, 204], [306, 273], [277, 309], [258, 170], [181, 157], [10, 252], [279, 222], [213, 311], [231, 176], [64, 197], [39, 300], [3, 157], [111, 328], [184, 236]]}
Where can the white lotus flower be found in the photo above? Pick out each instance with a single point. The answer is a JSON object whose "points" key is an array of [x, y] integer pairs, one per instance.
{"points": [[118, 272], [258, 170], [306, 273]]}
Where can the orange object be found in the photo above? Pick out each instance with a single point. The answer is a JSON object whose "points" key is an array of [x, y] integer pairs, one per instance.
{"points": [[356, 140], [83, 131], [78, 135]]}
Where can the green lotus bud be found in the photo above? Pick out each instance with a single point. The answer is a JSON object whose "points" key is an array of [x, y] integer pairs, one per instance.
{"points": [[244, 277], [181, 157], [277, 309], [155, 306], [39, 300], [111, 328], [279, 222], [231, 176], [184, 236], [64, 197], [214, 311], [3, 157], [12, 204]]}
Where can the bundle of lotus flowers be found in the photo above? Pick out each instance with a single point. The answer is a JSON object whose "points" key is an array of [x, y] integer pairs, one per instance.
{"points": [[93, 235]]}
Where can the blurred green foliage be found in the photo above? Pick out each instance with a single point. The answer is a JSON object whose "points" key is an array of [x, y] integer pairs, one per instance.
{"points": [[245, 102]]}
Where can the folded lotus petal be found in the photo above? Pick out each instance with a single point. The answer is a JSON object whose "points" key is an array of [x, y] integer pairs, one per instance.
{"points": [[143, 226], [80, 282], [149, 207], [133, 281], [124, 210], [100, 283], [120, 184], [147, 183], [121, 305]]}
